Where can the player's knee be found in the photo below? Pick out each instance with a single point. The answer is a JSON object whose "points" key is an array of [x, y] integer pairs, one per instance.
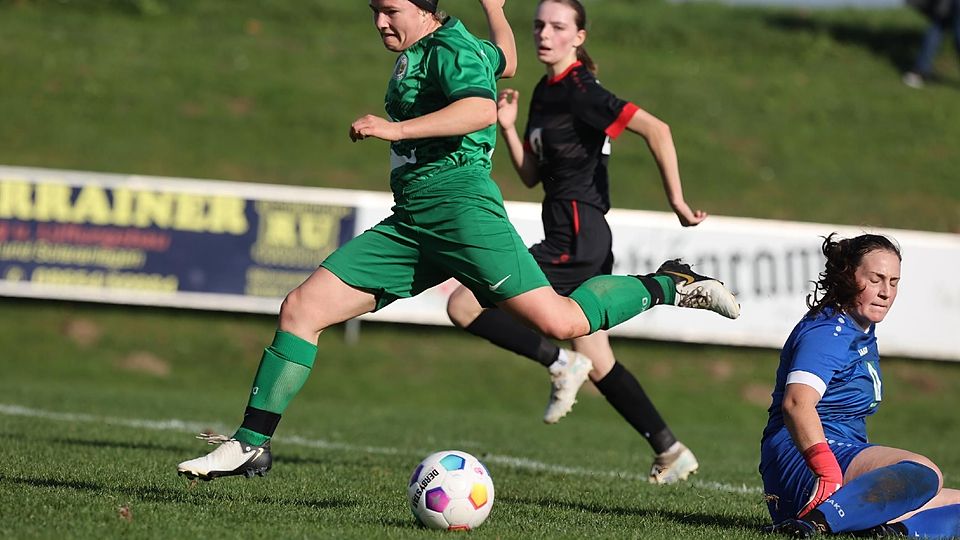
{"points": [[556, 329], [294, 313], [462, 308], [457, 313], [926, 462]]}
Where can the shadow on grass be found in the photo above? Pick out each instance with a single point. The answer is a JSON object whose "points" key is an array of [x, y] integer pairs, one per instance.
{"points": [[683, 518], [897, 45], [125, 445], [188, 449], [300, 460], [409, 524], [189, 494]]}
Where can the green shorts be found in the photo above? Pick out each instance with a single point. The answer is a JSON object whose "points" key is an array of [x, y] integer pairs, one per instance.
{"points": [[454, 227]]}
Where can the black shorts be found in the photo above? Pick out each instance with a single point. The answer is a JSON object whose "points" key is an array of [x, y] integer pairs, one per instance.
{"points": [[577, 244]]}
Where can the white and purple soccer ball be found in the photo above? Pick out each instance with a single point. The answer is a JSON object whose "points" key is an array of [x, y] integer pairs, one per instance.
{"points": [[450, 490]]}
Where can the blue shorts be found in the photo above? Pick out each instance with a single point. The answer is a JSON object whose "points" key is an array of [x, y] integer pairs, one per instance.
{"points": [[787, 481]]}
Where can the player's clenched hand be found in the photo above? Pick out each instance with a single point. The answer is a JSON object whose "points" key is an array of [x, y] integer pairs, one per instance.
{"points": [[507, 108], [824, 465], [374, 126], [688, 217]]}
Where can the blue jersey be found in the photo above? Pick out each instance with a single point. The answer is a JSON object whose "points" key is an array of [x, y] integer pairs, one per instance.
{"points": [[830, 352]]}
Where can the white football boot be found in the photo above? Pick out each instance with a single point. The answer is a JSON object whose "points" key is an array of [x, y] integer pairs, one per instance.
{"points": [[567, 375], [230, 458], [673, 467], [699, 292]]}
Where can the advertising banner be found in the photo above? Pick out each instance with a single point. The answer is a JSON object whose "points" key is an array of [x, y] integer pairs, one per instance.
{"points": [[242, 246], [128, 239]]}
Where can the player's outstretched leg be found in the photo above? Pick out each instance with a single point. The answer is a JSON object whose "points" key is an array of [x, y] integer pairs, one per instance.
{"points": [[567, 375], [876, 497], [607, 301], [938, 522], [699, 292], [869, 500]]}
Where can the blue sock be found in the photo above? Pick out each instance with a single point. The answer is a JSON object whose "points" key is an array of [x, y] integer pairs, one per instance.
{"points": [[879, 496], [942, 522]]}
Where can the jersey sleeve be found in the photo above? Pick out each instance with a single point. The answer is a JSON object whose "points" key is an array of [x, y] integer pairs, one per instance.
{"points": [[462, 72], [495, 54], [602, 110], [819, 354]]}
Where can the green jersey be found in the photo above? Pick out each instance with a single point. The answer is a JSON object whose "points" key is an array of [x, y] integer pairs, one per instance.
{"points": [[443, 67]]}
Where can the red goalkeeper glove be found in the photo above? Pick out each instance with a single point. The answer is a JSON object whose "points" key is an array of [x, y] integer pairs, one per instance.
{"points": [[824, 465]]}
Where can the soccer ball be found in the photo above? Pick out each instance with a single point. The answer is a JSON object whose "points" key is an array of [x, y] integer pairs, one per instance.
{"points": [[450, 490]]}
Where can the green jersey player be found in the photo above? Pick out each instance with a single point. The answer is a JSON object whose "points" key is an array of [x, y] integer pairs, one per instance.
{"points": [[448, 221]]}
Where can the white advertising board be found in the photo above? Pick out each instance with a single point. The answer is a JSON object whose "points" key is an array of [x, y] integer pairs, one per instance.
{"points": [[769, 264]]}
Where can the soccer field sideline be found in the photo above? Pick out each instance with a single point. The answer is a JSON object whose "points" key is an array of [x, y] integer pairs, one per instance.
{"points": [[185, 426]]}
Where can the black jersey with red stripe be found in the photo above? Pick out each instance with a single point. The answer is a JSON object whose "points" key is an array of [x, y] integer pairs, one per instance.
{"points": [[571, 122]]}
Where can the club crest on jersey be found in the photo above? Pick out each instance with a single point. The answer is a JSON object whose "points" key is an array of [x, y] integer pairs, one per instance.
{"points": [[536, 141], [400, 70]]}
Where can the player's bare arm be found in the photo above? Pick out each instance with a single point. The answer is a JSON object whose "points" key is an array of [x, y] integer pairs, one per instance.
{"points": [[459, 118], [501, 34], [523, 161], [800, 415], [660, 142]]}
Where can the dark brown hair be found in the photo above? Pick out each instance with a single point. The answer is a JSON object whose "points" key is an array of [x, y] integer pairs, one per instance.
{"points": [[837, 286], [581, 20]]}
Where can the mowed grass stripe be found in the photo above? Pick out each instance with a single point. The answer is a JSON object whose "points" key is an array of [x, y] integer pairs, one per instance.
{"points": [[178, 425]]}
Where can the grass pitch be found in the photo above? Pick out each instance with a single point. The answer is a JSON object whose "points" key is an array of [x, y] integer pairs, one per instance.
{"points": [[100, 404]]}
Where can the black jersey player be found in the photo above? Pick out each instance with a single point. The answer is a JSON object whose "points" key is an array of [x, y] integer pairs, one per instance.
{"points": [[565, 149]]}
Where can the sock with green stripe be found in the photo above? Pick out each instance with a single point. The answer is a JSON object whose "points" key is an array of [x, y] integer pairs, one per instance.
{"points": [[284, 368], [610, 300]]}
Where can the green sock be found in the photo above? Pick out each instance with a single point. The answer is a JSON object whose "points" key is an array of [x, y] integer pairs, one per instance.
{"points": [[284, 368], [610, 300]]}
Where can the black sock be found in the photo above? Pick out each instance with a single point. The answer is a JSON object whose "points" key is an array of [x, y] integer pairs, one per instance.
{"points": [[505, 332], [626, 395], [656, 290], [260, 421], [819, 521]]}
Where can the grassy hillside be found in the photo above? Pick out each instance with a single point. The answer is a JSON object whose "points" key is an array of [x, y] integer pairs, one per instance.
{"points": [[776, 113]]}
